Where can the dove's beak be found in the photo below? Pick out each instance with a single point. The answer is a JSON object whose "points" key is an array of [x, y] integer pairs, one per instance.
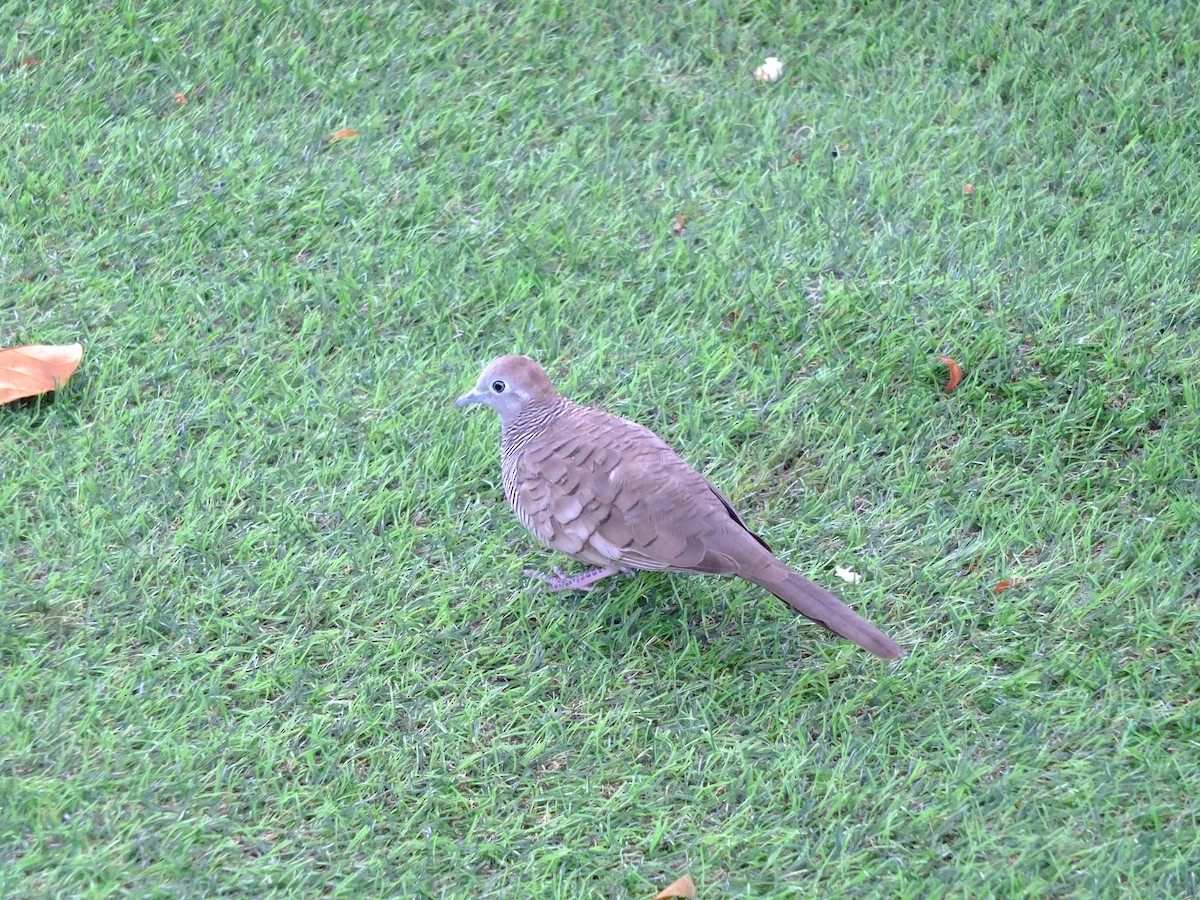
{"points": [[468, 398]]}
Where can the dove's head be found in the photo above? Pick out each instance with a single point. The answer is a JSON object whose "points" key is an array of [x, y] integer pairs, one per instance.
{"points": [[509, 385]]}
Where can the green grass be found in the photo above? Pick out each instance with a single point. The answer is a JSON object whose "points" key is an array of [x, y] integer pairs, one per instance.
{"points": [[263, 629]]}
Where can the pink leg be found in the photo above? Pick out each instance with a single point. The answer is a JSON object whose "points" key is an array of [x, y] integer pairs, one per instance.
{"points": [[560, 581]]}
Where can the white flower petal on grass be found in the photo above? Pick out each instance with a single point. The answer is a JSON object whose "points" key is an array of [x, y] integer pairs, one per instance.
{"points": [[769, 71], [847, 574]]}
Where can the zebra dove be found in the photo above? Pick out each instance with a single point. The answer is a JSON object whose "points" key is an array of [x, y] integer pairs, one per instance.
{"points": [[608, 492]]}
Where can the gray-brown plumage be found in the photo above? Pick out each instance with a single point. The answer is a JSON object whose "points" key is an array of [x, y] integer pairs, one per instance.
{"points": [[608, 492]]}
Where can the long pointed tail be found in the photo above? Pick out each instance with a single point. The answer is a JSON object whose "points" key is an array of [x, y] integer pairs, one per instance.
{"points": [[813, 601]]}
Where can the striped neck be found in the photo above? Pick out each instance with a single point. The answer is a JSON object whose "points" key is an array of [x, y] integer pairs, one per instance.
{"points": [[532, 419]]}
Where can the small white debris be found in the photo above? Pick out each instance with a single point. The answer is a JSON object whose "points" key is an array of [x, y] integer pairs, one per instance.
{"points": [[847, 574], [769, 71]]}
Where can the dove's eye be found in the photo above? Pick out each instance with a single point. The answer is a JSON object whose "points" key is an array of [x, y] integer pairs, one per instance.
{"points": [[499, 386]]}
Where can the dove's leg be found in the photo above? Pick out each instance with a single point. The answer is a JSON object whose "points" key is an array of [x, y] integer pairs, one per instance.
{"points": [[560, 581]]}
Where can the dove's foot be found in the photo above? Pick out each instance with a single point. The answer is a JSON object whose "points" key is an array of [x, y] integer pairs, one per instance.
{"points": [[560, 581]]}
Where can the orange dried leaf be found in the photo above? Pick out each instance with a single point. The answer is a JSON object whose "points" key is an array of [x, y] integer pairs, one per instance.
{"points": [[31, 61], [955, 373], [344, 133], [679, 223], [1002, 586], [680, 887], [36, 369], [968, 189], [180, 98]]}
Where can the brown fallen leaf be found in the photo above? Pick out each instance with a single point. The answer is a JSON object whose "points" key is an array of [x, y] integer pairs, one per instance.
{"points": [[36, 369], [31, 61], [955, 374], [968, 189], [680, 887], [679, 223], [344, 133], [1002, 586], [179, 98]]}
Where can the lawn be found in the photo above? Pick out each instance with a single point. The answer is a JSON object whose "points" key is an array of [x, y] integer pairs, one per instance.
{"points": [[263, 624]]}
